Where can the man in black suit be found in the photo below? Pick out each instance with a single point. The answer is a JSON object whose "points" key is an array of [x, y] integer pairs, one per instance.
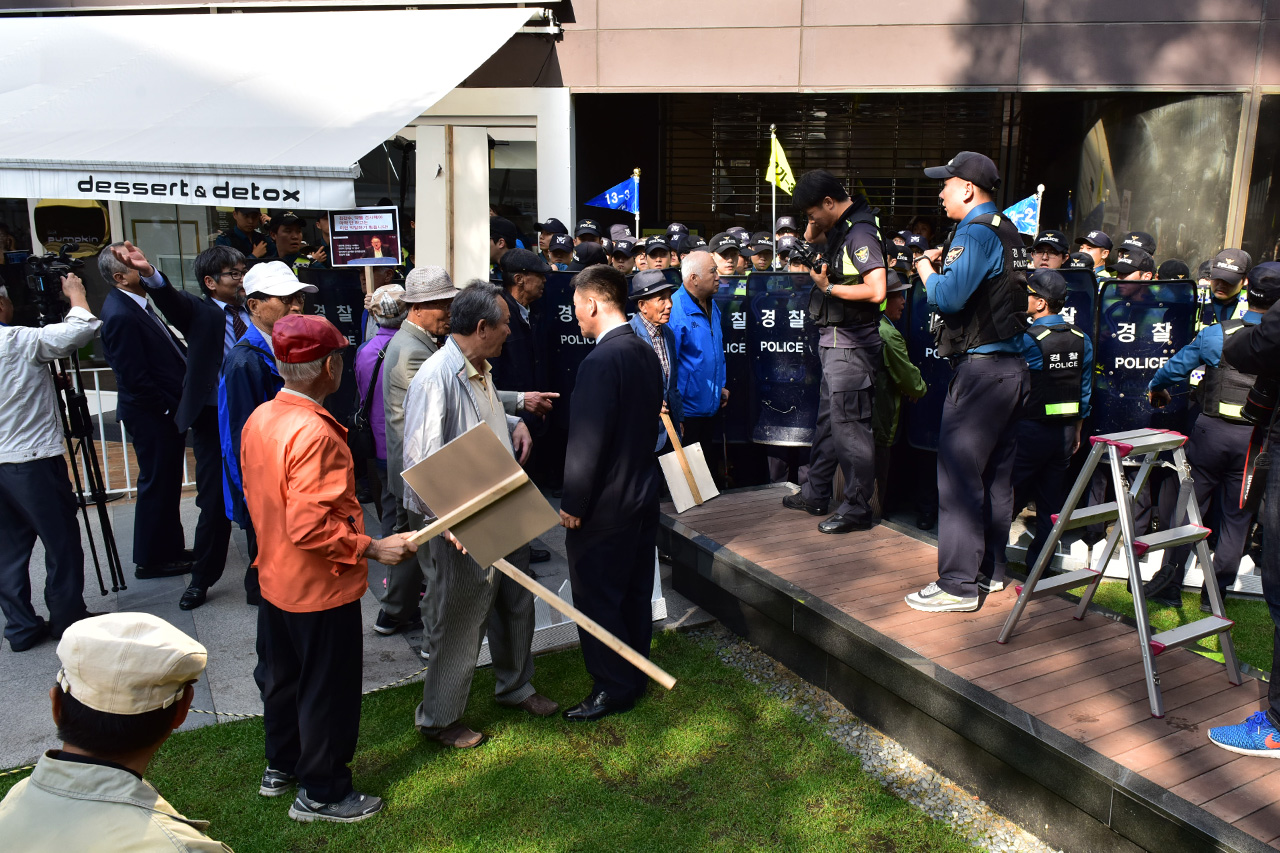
{"points": [[610, 499], [150, 364], [211, 326]]}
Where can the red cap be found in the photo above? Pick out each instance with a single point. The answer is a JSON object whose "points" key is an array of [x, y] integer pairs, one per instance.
{"points": [[299, 338]]}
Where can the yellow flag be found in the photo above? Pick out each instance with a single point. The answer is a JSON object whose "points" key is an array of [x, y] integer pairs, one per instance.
{"points": [[779, 169]]}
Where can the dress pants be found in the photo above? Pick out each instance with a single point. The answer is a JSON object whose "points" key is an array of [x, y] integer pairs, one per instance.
{"points": [[843, 433], [403, 598], [311, 665], [879, 500], [466, 601], [213, 530], [1216, 451], [157, 522], [36, 500], [611, 570], [1040, 474], [976, 448]]}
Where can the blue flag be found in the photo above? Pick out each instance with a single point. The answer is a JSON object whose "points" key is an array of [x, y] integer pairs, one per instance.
{"points": [[1026, 215], [624, 196]]}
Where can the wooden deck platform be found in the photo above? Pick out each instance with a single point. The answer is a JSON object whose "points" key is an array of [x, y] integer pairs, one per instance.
{"points": [[1053, 729]]}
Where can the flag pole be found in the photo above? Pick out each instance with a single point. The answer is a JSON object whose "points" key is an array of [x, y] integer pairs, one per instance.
{"points": [[1039, 193], [635, 173], [773, 205]]}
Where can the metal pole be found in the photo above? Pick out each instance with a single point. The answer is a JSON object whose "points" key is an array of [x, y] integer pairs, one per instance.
{"points": [[773, 183], [636, 175]]}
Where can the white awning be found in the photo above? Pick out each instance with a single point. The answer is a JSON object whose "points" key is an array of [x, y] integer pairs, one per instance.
{"points": [[272, 108]]}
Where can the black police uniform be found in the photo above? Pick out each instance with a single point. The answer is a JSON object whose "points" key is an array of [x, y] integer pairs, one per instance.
{"points": [[849, 349], [1060, 356]]}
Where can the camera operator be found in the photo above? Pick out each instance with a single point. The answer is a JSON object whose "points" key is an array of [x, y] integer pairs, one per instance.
{"points": [[845, 306], [35, 494], [1256, 350]]}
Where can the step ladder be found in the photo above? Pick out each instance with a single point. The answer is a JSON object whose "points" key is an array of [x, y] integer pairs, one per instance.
{"points": [[1188, 529]]}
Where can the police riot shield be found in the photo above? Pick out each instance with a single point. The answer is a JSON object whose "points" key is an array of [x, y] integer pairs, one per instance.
{"points": [[1140, 325], [739, 414], [784, 358], [340, 299], [924, 417], [1082, 300], [566, 345]]}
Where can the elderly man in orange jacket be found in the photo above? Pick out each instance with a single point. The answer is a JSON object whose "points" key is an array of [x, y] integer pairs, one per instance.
{"points": [[299, 487]]}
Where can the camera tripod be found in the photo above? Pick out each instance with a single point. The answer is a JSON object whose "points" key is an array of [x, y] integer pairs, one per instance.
{"points": [[77, 426]]}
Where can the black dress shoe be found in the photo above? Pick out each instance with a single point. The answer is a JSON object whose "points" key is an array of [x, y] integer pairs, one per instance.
{"points": [[39, 636], [926, 520], [796, 501], [844, 524], [595, 707], [539, 555], [192, 598], [171, 569], [1165, 587]]}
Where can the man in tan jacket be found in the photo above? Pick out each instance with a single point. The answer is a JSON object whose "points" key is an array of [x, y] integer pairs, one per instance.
{"points": [[125, 684]]}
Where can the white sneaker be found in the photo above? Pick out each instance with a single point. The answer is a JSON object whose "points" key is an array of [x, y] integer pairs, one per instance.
{"points": [[988, 585], [933, 599]]}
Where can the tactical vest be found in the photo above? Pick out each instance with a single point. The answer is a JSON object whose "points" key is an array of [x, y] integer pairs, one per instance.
{"points": [[997, 309], [831, 310], [1224, 389], [1057, 385]]}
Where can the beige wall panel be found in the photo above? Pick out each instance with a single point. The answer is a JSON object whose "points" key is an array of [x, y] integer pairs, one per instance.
{"points": [[1168, 55], [931, 56], [1142, 11], [848, 13], [1269, 74], [577, 57], [696, 59], [586, 13], [685, 14]]}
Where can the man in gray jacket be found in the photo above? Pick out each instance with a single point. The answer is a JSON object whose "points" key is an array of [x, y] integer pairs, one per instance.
{"points": [[452, 393]]}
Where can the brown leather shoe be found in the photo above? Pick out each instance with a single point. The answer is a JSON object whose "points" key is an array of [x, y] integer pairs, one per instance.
{"points": [[458, 736], [538, 705]]}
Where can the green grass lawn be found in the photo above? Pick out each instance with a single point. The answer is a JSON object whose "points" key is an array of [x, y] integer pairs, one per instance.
{"points": [[1252, 634], [716, 764]]}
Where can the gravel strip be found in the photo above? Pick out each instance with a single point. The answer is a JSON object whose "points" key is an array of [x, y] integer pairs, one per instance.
{"points": [[884, 759]]}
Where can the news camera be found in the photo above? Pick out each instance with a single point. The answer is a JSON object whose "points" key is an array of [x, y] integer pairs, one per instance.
{"points": [[44, 282]]}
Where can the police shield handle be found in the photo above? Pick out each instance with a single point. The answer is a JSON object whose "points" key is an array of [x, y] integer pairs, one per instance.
{"points": [[587, 624], [686, 472]]}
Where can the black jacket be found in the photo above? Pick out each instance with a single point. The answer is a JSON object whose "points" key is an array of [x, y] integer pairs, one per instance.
{"points": [[522, 364], [148, 372], [1256, 349], [204, 325], [610, 473]]}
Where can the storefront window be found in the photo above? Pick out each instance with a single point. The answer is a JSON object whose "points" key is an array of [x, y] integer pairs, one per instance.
{"points": [[1262, 216], [171, 235]]}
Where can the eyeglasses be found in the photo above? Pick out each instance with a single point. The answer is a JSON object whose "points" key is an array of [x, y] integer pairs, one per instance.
{"points": [[293, 299], [236, 275]]}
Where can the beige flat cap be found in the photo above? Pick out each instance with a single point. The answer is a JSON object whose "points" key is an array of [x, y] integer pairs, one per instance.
{"points": [[127, 663]]}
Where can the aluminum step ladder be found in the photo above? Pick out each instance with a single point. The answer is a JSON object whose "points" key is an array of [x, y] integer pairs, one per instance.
{"points": [[1188, 529]]}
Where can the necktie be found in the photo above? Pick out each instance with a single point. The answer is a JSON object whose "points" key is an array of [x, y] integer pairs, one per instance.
{"points": [[169, 336], [238, 328]]}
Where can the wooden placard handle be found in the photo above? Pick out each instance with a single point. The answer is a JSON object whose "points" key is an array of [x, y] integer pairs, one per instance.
{"points": [[588, 624], [368, 280], [681, 458], [470, 508]]}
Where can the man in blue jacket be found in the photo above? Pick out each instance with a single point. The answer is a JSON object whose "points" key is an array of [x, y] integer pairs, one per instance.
{"points": [[699, 348], [249, 379], [651, 293], [1219, 441]]}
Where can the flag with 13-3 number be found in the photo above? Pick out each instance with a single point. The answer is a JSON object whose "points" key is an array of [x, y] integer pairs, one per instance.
{"points": [[1026, 215], [624, 196], [779, 172]]}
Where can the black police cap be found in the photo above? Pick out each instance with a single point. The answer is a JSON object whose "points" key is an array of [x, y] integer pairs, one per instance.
{"points": [[1264, 284], [969, 166], [1048, 285], [552, 226], [522, 260]]}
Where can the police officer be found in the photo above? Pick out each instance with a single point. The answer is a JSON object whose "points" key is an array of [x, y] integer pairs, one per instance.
{"points": [[623, 256], [546, 231], [286, 231], [1060, 357], [785, 227], [981, 298], [588, 231], [657, 253], [244, 234], [844, 304], [1219, 441], [1097, 245], [1137, 240], [1226, 297], [759, 251], [559, 251], [1050, 251]]}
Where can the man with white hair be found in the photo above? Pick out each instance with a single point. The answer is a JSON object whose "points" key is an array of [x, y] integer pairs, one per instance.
{"points": [[699, 351], [249, 379]]}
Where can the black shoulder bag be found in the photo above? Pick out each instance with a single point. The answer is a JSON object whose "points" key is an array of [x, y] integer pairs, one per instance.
{"points": [[359, 429]]}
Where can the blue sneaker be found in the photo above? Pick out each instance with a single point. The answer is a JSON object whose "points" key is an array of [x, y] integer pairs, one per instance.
{"points": [[1255, 736]]}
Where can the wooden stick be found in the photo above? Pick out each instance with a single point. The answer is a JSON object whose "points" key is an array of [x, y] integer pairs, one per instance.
{"points": [[471, 507], [683, 460], [588, 624], [368, 280]]}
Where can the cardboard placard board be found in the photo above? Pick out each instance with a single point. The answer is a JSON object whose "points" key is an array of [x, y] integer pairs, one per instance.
{"points": [[364, 236], [472, 464], [678, 484]]}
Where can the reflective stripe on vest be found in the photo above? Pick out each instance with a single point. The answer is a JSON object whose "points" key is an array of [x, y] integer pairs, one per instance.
{"points": [[1230, 410], [1062, 409]]}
